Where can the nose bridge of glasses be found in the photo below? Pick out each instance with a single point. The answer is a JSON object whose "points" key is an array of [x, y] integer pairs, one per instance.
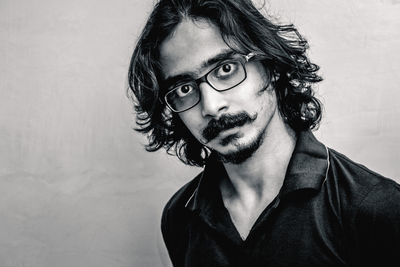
{"points": [[203, 79]]}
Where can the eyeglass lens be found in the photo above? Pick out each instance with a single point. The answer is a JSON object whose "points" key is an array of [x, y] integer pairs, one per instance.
{"points": [[224, 77]]}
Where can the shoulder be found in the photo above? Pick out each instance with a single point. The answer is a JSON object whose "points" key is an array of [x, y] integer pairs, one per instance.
{"points": [[354, 178], [175, 212], [361, 192], [371, 207], [179, 200], [175, 216]]}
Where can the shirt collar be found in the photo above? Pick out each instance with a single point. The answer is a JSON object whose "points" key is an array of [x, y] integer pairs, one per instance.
{"points": [[307, 169], [207, 194], [308, 165]]}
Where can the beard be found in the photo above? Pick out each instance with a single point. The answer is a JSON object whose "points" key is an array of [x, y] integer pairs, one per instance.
{"points": [[243, 151]]}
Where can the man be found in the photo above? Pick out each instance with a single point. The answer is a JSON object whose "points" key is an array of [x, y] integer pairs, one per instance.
{"points": [[222, 87]]}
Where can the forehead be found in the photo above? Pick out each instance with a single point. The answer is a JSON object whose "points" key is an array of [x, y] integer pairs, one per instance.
{"points": [[192, 43]]}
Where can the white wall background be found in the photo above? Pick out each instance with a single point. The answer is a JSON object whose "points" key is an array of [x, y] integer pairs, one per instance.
{"points": [[76, 186]]}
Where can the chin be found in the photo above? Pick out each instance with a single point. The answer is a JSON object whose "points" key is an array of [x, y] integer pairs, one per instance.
{"points": [[241, 152]]}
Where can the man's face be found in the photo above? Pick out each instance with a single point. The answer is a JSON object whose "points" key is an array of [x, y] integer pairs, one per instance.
{"points": [[231, 122]]}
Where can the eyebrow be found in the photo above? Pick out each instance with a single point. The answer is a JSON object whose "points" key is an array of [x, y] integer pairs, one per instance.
{"points": [[190, 75], [225, 54]]}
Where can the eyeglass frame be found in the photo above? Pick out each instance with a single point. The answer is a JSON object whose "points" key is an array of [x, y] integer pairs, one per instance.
{"points": [[205, 79]]}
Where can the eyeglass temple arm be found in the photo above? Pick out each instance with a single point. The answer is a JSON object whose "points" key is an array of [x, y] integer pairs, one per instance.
{"points": [[253, 54], [249, 56]]}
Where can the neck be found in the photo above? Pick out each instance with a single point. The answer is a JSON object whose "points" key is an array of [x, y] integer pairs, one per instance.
{"points": [[261, 176]]}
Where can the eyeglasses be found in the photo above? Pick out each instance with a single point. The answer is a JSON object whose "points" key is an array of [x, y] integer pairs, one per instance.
{"points": [[225, 76]]}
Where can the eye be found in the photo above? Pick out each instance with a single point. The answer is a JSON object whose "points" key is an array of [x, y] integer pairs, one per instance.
{"points": [[183, 90], [226, 70]]}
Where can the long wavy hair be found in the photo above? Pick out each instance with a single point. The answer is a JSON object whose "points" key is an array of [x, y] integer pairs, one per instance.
{"points": [[243, 27]]}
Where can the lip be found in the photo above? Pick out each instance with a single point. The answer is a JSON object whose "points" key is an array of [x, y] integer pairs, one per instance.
{"points": [[225, 133]]}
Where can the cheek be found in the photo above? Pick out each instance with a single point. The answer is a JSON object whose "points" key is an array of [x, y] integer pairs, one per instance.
{"points": [[251, 91], [191, 122], [268, 104]]}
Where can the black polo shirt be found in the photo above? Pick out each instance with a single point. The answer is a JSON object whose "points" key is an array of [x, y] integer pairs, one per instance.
{"points": [[330, 211]]}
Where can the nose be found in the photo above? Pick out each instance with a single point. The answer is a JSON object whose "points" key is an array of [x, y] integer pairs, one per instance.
{"points": [[213, 103]]}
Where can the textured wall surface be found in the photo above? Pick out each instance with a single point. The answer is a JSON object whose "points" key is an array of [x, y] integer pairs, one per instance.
{"points": [[77, 188]]}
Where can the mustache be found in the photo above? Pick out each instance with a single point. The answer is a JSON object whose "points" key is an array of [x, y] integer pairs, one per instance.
{"points": [[225, 122]]}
